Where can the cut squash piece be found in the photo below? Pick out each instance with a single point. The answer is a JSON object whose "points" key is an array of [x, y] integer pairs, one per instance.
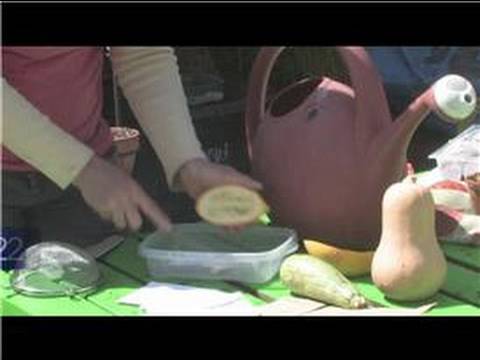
{"points": [[230, 205]]}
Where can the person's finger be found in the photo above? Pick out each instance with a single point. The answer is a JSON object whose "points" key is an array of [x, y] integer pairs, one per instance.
{"points": [[239, 228], [134, 219], [233, 229], [153, 212], [105, 215], [118, 219], [228, 229]]}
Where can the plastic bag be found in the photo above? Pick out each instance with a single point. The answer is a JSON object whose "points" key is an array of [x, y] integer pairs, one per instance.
{"points": [[460, 157]]}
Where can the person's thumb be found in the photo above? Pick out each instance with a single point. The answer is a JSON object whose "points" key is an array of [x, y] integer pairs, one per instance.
{"points": [[244, 180]]}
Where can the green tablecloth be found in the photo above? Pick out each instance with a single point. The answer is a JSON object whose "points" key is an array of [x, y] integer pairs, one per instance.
{"points": [[124, 271]]}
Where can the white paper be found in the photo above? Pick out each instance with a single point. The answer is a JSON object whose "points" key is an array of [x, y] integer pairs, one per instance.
{"points": [[173, 299], [290, 306], [240, 307], [334, 311]]}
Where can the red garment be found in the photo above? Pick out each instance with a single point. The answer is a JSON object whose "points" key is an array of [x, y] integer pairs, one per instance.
{"points": [[64, 83]]}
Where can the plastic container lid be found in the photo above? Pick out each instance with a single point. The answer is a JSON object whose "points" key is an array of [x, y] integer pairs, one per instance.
{"points": [[204, 251]]}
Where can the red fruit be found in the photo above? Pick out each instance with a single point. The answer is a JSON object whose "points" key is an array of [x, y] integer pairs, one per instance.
{"points": [[451, 185], [446, 220]]}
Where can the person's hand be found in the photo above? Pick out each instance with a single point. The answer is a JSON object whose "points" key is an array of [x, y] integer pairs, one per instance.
{"points": [[116, 197], [200, 175]]}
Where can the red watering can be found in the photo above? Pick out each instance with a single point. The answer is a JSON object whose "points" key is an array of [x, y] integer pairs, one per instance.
{"points": [[326, 152]]}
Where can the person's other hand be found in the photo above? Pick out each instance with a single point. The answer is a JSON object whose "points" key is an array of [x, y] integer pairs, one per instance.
{"points": [[200, 175], [116, 197]]}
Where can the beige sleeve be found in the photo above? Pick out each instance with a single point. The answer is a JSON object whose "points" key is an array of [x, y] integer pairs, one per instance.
{"points": [[151, 83], [34, 138]]}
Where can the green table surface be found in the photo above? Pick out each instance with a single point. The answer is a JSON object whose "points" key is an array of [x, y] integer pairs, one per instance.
{"points": [[124, 271]]}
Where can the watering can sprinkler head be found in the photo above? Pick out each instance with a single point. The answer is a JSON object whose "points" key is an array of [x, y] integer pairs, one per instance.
{"points": [[455, 98]]}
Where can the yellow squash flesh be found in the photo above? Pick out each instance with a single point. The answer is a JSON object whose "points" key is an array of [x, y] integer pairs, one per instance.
{"points": [[350, 263], [230, 205]]}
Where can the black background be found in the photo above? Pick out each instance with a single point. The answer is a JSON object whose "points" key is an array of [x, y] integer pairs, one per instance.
{"points": [[240, 24], [236, 25]]}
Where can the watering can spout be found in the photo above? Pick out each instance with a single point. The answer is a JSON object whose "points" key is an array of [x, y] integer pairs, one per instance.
{"points": [[452, 97]]}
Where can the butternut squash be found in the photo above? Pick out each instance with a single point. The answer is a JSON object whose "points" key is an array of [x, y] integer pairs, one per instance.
{"points": [[408, 264]]}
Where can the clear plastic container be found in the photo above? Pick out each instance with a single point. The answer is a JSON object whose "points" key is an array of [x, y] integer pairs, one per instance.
{"points": [[203, 251]]}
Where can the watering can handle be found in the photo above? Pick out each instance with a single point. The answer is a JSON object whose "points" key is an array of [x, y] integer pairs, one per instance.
{"points": [[257, 90], [371, 102]]}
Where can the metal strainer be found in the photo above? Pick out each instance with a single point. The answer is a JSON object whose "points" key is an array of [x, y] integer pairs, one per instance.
{"points": [[52, 269]]}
